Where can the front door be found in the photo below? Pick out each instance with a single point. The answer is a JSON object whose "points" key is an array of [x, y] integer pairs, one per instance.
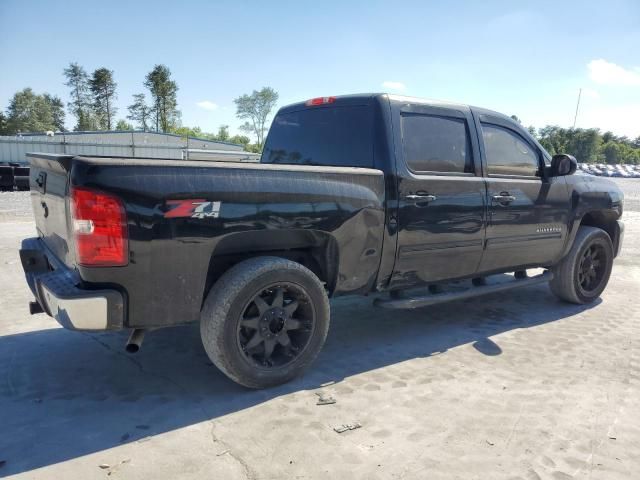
{"points": [[441, 214], [527, 212]]}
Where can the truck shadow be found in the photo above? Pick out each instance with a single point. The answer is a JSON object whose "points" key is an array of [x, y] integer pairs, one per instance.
{"points": [[65, 394]]}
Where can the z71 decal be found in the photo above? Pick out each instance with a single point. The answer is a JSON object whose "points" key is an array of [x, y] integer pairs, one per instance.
{"points": [[192, 208]]}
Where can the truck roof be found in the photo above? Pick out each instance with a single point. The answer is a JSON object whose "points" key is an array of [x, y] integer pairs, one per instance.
{"points": [[366, 98]]}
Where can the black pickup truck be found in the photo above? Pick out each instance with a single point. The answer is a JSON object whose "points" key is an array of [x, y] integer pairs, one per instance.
{"points": [[352, 195]]}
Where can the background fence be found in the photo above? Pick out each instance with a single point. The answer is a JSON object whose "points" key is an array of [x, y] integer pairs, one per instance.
{"points": [[122, 144]]}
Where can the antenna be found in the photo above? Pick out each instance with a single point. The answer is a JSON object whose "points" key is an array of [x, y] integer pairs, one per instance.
{"points": [[575, 118]]}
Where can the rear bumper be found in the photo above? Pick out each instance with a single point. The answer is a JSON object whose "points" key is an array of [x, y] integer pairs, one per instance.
{"points": [[58, 289]]}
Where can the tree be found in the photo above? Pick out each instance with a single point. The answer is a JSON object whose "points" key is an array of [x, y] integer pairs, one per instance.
{"points": [[223, 133], [29, 112], [583, 144], [103, 90], [78, 82], [164, 96], [140, 112], [256, 109], [515, 117], [3, 124], [611, 152], [123, 125], [191, 132], [240, 140], [57, 111]]}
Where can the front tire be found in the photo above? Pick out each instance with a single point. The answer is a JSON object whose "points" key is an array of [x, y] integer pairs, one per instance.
{"points": [[583, 274], [265, 321]]}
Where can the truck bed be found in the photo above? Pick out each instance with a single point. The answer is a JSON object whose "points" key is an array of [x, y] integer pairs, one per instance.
{"points": [[335, 212]]}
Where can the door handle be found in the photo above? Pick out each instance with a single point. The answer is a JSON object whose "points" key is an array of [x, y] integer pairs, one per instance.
{"points": [[504, 198], [420, 198]]}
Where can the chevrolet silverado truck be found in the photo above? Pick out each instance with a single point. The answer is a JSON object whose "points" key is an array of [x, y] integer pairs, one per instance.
{"points": [[352, 195]]}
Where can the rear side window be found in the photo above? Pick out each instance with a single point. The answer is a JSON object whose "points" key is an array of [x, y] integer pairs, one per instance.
{"points": [[436, 144], [507, 153], [332, 136]]}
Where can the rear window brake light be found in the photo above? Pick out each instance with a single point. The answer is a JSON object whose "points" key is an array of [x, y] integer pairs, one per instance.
{"points": [[320, 101]]}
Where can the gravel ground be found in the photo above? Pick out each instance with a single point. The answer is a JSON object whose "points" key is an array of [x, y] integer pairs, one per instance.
{"points": [[511, 386]]}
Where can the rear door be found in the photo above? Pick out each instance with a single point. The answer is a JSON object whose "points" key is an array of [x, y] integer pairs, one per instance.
{"points": [[527, 212], [441, 214]]}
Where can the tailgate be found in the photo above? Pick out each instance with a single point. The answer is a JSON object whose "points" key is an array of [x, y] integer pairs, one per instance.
{"points": [[48, 181]]}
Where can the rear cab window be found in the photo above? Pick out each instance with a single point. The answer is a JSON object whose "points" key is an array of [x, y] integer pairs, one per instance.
{"points": [[339, 136], [435, 143]]}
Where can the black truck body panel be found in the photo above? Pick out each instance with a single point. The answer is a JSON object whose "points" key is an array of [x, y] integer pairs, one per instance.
{"points": [[359, 229], [262, 208]]}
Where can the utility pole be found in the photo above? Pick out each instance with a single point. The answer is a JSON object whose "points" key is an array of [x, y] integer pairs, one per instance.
{"points": [[575, 118]]}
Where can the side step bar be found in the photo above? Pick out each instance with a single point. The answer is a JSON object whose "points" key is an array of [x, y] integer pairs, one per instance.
{"points": [[433, 299]]}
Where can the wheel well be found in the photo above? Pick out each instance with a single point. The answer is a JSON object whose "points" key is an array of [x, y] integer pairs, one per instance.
{"points": [[315, 250], [603, 220]]}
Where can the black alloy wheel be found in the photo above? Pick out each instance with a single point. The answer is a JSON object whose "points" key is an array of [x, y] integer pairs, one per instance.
{"points": [[276, 325]]}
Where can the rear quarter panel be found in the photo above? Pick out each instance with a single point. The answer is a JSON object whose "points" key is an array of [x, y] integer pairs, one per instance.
{"points": [[261, 206]]}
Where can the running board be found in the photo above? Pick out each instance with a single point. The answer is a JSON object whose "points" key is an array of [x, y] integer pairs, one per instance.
{"points": [[433, 299]]}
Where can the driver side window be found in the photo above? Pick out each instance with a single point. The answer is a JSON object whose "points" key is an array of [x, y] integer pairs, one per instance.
{"points": [[507, 153]]}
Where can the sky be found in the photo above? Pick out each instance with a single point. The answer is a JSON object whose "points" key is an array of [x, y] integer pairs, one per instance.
{"points": [[524, 58]]}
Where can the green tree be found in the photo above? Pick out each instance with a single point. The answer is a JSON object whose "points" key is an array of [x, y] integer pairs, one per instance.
{"points": [[256, 108], [583, 144], [123, 125], [57, 111], [29, 112], [3, 124], [589, 145], [103, 90], [240, 140], [607, 137], [223, 133], [164, 96], [140, 112], [611, 152], [80, 104], [191, 132]]}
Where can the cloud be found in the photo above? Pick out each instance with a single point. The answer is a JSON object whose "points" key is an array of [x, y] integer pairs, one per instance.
{"points": [[620, 119], [607, 73], [590, 93], [393, 85], [207, 105]]}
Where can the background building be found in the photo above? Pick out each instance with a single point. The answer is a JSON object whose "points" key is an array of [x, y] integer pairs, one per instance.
{"points": [[14, 171], [107, 143]]}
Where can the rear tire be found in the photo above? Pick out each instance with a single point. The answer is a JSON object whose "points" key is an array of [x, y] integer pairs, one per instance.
{"points": [[582, 275], [265, 321]]}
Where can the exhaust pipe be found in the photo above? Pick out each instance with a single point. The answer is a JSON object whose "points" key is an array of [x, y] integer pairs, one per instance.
{"points": [[35, 307], [135, 340]]}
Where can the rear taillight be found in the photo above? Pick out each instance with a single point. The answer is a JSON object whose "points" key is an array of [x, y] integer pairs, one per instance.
{"points": [[100, 228], [320, 101]]}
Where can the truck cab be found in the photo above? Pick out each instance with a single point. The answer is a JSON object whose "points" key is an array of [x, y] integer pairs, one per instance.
{"points": [[473, 196]]}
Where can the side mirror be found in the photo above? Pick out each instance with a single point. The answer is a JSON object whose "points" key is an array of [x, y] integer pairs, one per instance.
{"points": [[563, 164]]}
